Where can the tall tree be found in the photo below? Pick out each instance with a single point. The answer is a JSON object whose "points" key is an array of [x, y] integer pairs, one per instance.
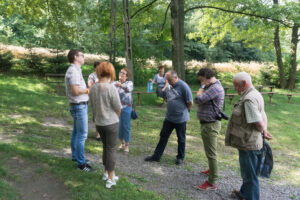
{"points": [[112, 33], [293, 57], [177, 30], [277, 47], [128, 47]]}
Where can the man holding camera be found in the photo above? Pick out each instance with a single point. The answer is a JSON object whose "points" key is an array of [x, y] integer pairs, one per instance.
{"points": [[210, 100]]}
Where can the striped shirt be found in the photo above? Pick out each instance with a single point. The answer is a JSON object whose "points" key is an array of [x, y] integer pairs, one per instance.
{"points": [[214, 92]]}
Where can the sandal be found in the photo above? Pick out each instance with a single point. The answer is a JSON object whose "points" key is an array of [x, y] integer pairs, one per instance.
{"points": [[126, 148], [122, 147]]}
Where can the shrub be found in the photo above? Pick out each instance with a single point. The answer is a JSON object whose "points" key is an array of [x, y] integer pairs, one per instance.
{"points": [[58, 64], [34, 64], [269, 75], [6, 61]]}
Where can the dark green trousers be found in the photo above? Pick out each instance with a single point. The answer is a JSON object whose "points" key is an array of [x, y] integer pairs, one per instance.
{"points": [[209, 132]]}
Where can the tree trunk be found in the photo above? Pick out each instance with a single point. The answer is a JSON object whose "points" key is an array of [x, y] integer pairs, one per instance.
{"points": [[112, 33], [293, 70], [277, 46], [177, 30], [279, 57], [128, 48]]}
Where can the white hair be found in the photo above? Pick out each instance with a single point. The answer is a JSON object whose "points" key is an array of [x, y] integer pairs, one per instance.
{"points": [[242, 76]]}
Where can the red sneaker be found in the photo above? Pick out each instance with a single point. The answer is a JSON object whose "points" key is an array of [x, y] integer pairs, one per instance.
{"points": [[206, 172], [207, 186]]}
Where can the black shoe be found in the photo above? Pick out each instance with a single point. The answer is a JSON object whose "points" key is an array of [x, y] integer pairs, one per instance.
{"points": [[178, 161], [151, 159], [86, 168], [75, 160]]}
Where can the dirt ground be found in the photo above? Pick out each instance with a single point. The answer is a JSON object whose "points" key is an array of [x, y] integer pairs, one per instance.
{"points": [[34, 182]]}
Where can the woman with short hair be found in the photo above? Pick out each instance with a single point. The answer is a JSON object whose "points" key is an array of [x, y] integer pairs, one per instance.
{"points": [[105, 101], [125, 88]]}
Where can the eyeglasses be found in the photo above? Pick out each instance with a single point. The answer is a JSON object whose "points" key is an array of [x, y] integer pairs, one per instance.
{"points": [[80, 55], [122, 73]]}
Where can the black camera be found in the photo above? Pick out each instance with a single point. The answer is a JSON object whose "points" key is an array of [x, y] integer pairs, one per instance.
{"points": [[221, 115]]}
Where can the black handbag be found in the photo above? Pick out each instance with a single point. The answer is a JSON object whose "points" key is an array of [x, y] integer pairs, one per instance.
{"points": [[265, 161], [134, 115]]}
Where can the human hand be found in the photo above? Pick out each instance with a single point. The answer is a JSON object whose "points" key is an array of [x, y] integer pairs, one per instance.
{"points": [[268, 135], [118, 84], [200, 92]]}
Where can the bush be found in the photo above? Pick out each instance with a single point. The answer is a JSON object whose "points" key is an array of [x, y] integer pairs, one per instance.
{"points": [[34, 64], [269, 75], [58, 64], [6, 61]]}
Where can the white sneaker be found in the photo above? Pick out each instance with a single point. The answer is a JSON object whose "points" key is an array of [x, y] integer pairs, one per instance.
{"points": [[110, 183], [105, 177]]}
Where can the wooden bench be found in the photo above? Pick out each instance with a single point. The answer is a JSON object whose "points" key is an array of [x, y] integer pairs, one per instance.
{"points": [[139, 95], [58, 83], [270, 94], [231, 96], [290, 96]]}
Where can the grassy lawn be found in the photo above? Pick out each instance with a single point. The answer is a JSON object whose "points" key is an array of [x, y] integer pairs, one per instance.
{"points": [[27, 103]]}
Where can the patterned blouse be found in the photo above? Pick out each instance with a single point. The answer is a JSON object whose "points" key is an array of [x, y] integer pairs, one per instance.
{"points": [[125, 93]]}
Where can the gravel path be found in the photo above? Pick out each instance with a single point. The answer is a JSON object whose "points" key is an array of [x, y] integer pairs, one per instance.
{"points": [[175, 182]]}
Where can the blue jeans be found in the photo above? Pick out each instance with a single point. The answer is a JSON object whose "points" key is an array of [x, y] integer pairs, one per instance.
{"points": [[124, 124], [165, 133], [248, 164], [80, 132]]}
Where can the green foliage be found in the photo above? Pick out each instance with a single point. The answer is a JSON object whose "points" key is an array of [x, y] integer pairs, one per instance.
{"points": [[6, 61], [58, 64], [34, 64], [142, 74], [270, 76]]}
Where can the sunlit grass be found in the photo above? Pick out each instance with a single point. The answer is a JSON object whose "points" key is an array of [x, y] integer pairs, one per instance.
{"points": [[33, 104]]}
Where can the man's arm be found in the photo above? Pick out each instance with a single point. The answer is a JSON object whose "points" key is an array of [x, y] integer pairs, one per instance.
{"points": [[263, 125], [189, 105], [76, 91]]}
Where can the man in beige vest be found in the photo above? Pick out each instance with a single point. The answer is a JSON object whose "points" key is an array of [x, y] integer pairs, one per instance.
{"points": [[246, 126]]}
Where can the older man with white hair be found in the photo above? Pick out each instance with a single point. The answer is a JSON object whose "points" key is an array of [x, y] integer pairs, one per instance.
{"points": [[246, 126]]}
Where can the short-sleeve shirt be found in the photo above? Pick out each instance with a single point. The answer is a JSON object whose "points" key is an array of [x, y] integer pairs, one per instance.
{"points": [[93, 78], [74, 77], [252, 113], [178, 96], [160, 80]]}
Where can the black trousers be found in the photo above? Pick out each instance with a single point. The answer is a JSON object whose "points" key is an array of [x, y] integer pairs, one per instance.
{"points": [[165, 133]]}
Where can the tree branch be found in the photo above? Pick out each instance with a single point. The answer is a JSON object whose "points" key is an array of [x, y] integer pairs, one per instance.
{"points": [[164, 22], [239, 12], [139, 10], [165, 19]]}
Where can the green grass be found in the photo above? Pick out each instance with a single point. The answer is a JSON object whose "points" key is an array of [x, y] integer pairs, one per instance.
{"points": [[26, 103]]}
